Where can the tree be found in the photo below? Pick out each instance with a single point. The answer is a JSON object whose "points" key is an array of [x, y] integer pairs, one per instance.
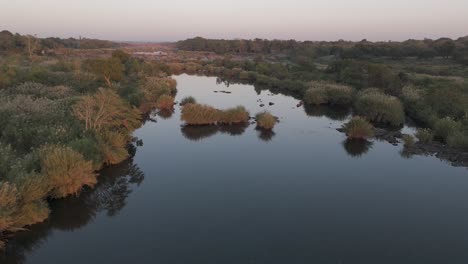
{"points": [[111, 69], [106, 110], [32, 45]]}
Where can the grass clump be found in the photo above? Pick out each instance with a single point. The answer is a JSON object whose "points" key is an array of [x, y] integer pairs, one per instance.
{"points": [[445, 128], [188, 100], [165, 102], [234, 116], [198, 114], [424, 135], [328, 93], [458, 140], [380, 108], [359, 128], [266, 120], [408, 140], [66, 171]]}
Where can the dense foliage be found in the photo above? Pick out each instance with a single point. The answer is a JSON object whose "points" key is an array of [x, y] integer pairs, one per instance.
{"points": [[58, 126]]}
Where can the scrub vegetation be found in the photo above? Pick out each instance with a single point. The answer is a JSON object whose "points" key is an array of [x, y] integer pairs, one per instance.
{"points": [[64, 117], [68, 107]]}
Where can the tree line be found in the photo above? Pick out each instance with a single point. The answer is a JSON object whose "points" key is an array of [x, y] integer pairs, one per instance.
{"points": [[427, 48]]}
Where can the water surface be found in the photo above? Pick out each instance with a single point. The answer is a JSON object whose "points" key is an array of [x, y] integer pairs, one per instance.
{"points": [[303, 194]]}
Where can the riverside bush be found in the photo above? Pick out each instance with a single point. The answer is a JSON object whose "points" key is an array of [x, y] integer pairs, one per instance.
{"points": [[328, 93], [380, 108]]}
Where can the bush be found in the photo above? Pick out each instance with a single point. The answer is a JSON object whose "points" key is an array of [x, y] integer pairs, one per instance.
{"points": [[424, 135], [88, 147], [198, 114], [458, 140], [408, 140], [39, 90], [66, 170], [20, 208], [380, 108], [234, 115], [106, 110], [265, 120], [359, 128], [113, 147], [153, 88], [188, 100], [328, 93], [165, 102], [446, 127]]}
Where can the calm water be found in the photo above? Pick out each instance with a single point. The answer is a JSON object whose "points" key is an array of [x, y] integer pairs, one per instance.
{"points": [[236, 195]]}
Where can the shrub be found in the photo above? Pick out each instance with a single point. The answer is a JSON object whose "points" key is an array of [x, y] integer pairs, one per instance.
{"points": [[359, 128], [17, 211], [380, 108], [198, 114], [424, 135], [234, 115], [265, 120], [106, 110], [39, 90], [328, 93], [66, 170], [165, 102], [446, 127], [408, 140], [88, 146], [155, 87], [458, 140], [188, 100], [113, 147]]}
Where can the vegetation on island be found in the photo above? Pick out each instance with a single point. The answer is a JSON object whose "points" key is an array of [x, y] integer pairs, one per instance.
{"points": [[359, 128], [265, 120], [199, 114]]}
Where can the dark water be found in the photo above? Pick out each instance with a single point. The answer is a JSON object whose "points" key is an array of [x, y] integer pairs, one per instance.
{"points": [[302, 194]]}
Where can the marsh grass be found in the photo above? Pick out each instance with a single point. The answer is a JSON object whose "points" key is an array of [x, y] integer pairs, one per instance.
{"points": [[165, 102], [328, 93], [445, 128], [408, 140], [234, 115], [359, 128], [380, 108], [198, 114], [265, 120], [424, 135]]}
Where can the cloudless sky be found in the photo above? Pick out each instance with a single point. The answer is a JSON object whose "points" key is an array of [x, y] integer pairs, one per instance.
{"points": [[169, 20]]}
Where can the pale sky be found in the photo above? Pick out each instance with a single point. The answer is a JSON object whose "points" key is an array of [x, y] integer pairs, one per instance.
{"points": [[154, 20]]}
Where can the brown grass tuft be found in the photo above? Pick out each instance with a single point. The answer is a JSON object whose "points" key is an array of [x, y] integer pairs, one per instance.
{"points": [[266, 120]]}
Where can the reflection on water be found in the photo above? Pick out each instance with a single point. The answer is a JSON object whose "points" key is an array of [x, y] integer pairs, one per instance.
{"points": [[108, 196], [197, 133], [165, 113], [333, 112], [265, 135], [357, 147]]}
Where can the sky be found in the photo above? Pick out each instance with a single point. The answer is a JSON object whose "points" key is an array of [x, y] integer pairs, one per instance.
{"points": [[171, 20]]}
